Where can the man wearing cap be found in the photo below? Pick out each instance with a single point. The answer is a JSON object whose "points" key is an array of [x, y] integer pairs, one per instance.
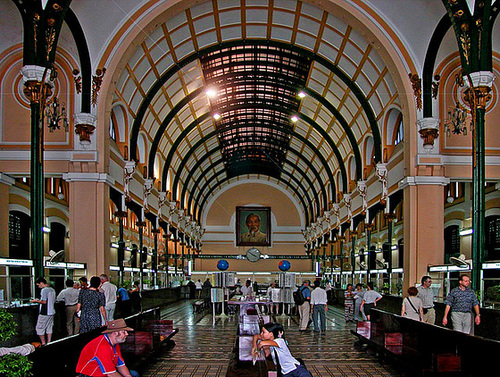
{"points": [[102, 356]]}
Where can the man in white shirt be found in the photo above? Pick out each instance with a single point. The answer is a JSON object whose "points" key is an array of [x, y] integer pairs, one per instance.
{"points": [[273, 295], [246, 290], [109, 291], [319, 307], [69, 296], [45, 322], [426, 294], [199, 287]]}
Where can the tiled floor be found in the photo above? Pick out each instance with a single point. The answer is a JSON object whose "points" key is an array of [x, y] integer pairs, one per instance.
{"points": [[205, 349]]}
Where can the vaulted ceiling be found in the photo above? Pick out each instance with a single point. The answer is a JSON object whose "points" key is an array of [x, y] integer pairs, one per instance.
{"points": [[281, 91]]}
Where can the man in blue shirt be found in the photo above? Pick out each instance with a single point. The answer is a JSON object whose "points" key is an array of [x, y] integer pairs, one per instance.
{"points": [[461, 300]]}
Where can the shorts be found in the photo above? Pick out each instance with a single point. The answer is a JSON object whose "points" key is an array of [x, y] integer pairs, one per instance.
{"points": [[44, 324], [367, 308]]}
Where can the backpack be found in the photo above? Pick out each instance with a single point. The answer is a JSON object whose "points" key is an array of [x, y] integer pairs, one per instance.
{"points": [[298, 297]]}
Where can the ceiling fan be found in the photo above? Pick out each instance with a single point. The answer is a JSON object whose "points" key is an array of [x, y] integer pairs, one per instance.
{"points": [[460, 261]]}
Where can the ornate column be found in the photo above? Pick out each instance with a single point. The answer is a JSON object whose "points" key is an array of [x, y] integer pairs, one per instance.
{"points": [[37, 88], [477, 95]]}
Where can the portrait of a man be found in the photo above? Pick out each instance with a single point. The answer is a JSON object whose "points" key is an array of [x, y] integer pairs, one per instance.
{"points": [[253, 226]]}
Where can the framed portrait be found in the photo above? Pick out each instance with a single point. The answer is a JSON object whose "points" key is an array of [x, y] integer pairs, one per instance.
{"points": [[253, 226]]}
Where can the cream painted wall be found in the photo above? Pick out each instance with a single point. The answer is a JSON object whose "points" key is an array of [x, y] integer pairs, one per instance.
{"points": [[220, 237], [253, 194]]}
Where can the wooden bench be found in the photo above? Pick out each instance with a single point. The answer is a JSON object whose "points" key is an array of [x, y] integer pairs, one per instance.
{"points": [[200, 306], [140, 345], [422, 349]]}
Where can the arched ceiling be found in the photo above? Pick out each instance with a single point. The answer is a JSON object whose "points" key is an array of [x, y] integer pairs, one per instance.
{"points": [[256, 59]]}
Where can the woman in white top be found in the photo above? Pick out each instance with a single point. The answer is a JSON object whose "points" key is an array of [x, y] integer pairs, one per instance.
{"points": [[271, 340], [370, 299], [412, 306]]}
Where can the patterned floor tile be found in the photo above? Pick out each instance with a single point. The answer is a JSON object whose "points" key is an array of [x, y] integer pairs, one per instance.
{"points": [[205, 349]]}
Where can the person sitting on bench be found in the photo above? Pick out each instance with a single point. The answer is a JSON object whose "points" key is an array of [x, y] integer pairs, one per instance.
{"points": [[102, 355]]}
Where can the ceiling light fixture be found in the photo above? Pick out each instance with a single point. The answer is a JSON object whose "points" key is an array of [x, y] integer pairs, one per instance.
{"points": [[295, 118], [211, 92], [301, 94], [216, 116]]}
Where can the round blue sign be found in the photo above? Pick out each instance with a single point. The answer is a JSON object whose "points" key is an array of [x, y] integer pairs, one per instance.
{"points": [[222, 265], [284, 265]]}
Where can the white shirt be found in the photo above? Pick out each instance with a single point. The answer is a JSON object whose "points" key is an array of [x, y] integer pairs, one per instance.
{"points": [[287, 362], [427, 296], [274, 294], [371, 296], [48, 294], [246, 291], [69, 296], [318, 296], [198, 285], [109, 291]]}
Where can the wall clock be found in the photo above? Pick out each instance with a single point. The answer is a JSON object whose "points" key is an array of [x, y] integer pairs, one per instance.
{"points": [[253, 254]]}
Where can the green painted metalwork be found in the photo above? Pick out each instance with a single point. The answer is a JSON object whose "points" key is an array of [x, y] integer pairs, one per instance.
{"points": [[478, 199], [213, 165], [174, 69], [37, 192], [213, 177], [41, 29], [214, 133], [473, 33]]}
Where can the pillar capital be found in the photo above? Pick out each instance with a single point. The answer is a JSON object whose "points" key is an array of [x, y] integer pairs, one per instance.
{"points": [[84, 126], [480, 78], [428, 123], [35, 73], [423, 180]]}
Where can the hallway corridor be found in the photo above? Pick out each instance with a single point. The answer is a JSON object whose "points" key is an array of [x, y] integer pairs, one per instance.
{"points": [[203, 349]]}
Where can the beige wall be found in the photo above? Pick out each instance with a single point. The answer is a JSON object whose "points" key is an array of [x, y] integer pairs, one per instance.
{"points": [[220, 237]]}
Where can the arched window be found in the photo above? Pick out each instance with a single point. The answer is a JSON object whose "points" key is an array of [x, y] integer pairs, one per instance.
{"points": [[57, 236], [399, 132], [492, 241], [112, 128], [451, 242], [19, 235]]}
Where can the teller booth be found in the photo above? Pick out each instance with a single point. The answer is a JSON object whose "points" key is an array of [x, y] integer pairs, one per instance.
{"points": [[490, 284], [17, 286], [58, 272], [445, 278]]}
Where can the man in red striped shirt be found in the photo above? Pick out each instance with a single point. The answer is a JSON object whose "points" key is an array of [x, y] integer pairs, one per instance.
{"points": [[102, 356]]}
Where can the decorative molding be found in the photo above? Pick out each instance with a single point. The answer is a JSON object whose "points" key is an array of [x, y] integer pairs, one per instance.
{"points": [[89, 177], [416, 83], [35, 73], [6, 179], [84, 126], [73, 156], [480, 78], [428, 123], [423, 180]]}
